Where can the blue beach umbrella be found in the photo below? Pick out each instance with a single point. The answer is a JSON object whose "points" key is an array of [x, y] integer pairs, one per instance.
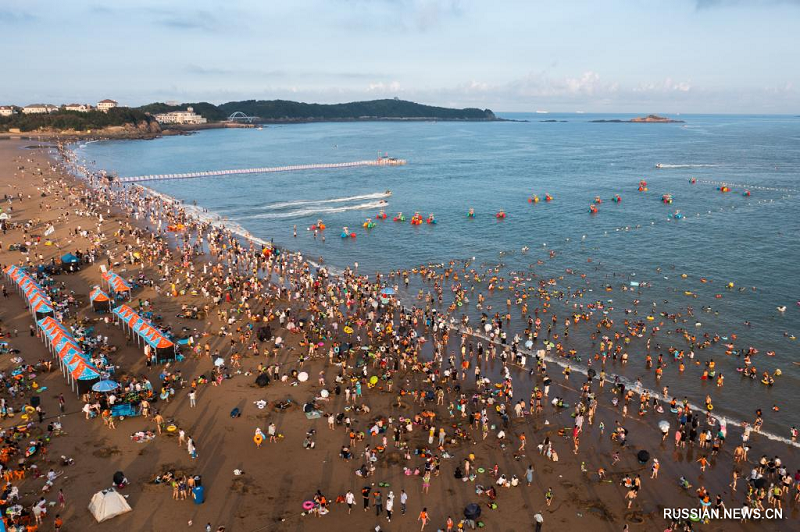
{"points": [[387, 291], [104, 386]]}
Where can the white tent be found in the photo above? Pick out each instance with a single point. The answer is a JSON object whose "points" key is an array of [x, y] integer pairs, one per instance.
{"points": [[107, 504]]}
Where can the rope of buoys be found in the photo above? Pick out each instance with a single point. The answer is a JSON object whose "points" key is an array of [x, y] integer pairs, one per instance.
{"points": [[753, 187]]}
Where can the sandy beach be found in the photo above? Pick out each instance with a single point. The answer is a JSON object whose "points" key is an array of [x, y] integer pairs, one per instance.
{"points": [[402, 381]]}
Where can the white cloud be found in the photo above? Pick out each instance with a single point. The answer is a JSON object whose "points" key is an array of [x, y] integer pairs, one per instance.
{"points": [[666, 86], [383, 88]]}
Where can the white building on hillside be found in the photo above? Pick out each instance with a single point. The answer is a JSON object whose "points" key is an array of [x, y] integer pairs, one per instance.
{"points": [[39, 108], [7, 110], [105, 105], [180, 117], [80, 107]]}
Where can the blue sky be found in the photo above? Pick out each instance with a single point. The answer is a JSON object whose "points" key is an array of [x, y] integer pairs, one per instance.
{"points": [[719, 56]]}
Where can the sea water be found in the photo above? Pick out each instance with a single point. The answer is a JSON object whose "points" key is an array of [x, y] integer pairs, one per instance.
{"points": [[753, 242]]}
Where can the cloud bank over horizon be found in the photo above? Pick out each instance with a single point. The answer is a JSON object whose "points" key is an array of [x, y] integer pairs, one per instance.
{"points": [[685, 56]]}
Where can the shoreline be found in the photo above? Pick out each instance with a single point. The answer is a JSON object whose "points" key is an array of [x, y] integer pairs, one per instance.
{"points": [[211, 217]]}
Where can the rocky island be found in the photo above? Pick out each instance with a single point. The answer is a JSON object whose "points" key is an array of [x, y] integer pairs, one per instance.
{"points": [[649, 119]]}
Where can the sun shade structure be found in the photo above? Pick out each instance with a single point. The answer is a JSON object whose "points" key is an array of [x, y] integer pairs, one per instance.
{"points": [[69, 258], [105, 386], [38, 301], [108, 504], [116, 284], [74, 363], [99, 299], [145, 332]]}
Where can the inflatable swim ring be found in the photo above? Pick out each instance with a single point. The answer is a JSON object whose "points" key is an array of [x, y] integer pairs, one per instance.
{"points": [[308, 505]]}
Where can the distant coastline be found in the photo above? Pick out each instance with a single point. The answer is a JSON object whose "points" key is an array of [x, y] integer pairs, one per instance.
{"points": [[144, 122], [649, 119]]}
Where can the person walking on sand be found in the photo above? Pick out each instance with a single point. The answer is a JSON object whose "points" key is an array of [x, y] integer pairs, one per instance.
{"points": [[630, 496], [736, 478], [522, 440], [423, 516], [389, 506], [191, 448], [548, 496], [654, 469], [272, 431], [62, 499], [365, 495], [539, 520], [181, 437], [426, 482], [192, 398], [403, 501], [159, 421], [350, 499]]}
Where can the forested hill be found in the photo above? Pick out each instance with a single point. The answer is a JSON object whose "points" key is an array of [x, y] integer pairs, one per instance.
{"points": [[284, 110]]}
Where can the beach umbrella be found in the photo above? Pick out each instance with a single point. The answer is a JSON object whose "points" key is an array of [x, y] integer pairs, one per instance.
{"points": [[387, 291], [529, 344], [105, 386], [591, 373], [69, 258], [472, 511], [302, 376], [643, 456], [219, 361], [663, 425], [760, 482], [262, 380], [5, 216]]}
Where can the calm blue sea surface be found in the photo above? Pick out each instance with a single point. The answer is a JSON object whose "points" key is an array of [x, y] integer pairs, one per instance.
{"points": [[452, 167]]}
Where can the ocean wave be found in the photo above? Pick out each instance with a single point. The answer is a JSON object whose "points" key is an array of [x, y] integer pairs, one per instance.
{"points": [[299, 203], [662, 165], [301, 213]]}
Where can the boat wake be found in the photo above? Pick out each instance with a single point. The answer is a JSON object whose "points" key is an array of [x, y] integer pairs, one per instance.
{"points": [[315, 211], [661, 165], [300, 203]]}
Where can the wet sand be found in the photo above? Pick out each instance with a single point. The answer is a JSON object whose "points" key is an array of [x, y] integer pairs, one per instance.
{"points": [[280, 476]]}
